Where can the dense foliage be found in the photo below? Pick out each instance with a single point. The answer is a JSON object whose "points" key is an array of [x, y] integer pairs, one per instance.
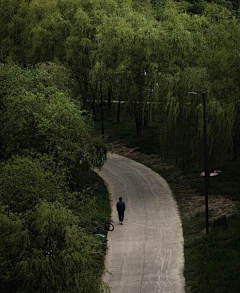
{"points": [[46, 212], [147, 54], [141, 52]]}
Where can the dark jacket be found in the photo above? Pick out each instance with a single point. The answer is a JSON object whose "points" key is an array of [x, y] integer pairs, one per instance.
{"points": [[121, 206]]}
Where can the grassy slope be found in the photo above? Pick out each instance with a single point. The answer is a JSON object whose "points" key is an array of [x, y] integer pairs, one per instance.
{"points": [[211, 261], [90, 179]]}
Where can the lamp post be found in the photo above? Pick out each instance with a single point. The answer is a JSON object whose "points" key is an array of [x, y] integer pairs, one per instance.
{"points": [[206, 172]]}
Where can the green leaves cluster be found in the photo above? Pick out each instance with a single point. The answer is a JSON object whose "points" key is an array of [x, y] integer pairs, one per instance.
{"points": [[205, 62], [140, 52], [46, 251], [37, 117], [46, 215], [25, 183]]}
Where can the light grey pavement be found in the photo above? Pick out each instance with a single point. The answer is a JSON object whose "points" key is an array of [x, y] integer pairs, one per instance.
{"points": [[145, 254]]}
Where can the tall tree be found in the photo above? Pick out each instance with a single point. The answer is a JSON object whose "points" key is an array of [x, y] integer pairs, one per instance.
{"points": [[47, 251], [44, 119], [126, 51]]}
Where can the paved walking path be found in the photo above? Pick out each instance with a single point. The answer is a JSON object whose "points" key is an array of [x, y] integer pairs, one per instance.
{"points": [[145, 254]]}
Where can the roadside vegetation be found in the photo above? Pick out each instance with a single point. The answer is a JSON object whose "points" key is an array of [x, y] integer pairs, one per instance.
{"points": [[211, 261], [125, 67], [49, 202]]}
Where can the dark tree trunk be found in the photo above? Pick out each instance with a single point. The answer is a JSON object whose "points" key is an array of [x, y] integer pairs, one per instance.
{"points": [[85, 95], [109, 99], [146, 116], [94, 110], [138, 114], [101, 98], [235, 150], [138, 127], [84, 91], [93, 104], [138, 119], [119, 110]]}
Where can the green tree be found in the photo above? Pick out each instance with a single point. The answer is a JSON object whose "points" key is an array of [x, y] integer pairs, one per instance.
{"points": [[46, 120], [201, 60], [47, 251], [125, 58], [32, 31], [24, 182], [79, 47]]}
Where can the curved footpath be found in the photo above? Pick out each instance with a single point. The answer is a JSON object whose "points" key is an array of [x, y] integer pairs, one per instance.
{"points": [[145, 254]]}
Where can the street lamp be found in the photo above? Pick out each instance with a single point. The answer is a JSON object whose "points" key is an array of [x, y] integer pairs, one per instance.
{"points": [[204, 95]]}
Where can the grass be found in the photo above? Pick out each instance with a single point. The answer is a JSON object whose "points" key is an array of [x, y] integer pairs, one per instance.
{"points": [[88, 180], [100, 193], [125, 131], [96, 189], [212, 260], [226, 183]]}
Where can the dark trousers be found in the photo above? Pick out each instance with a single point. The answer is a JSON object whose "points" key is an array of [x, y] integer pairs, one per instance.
{"points": [[121, 216]]}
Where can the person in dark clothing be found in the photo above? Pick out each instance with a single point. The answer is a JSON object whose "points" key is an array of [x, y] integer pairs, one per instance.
{"points": [[121, 210]]}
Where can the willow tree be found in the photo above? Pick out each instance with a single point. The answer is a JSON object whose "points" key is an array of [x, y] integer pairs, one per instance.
{"points": [[59, 31], [219, 57], [45, 250], [45, 120], [25, 181], [33, 31], [44, 136], [176, 57], [109, 70], [199, 50], [126, 49], [79, 47], [179, 74], [10, 28]]}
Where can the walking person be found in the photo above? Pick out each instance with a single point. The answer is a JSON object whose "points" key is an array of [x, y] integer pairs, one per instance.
{"points": [[121, 210]]}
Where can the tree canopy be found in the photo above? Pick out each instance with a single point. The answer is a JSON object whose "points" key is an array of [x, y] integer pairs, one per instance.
{"points": [[46, 216], [58, 59]]}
